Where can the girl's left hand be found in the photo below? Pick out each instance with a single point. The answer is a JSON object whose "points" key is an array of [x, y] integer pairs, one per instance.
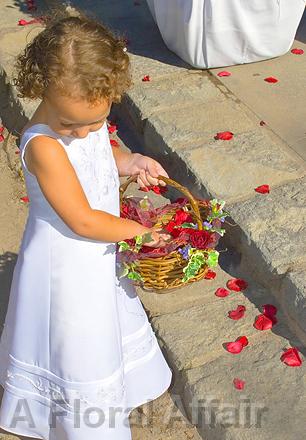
{"points": [[147, 169]]}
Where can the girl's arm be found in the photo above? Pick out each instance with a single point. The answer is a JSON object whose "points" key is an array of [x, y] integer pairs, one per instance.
{"points": [[48, 161]]}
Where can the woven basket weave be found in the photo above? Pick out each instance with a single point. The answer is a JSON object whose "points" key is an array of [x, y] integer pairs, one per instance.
{"points": [[165, 273]]}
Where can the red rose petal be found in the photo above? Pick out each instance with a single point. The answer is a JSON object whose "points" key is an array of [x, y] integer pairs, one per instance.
{"points": [[17, 152], [25, 199], [1, 129], [269, 310], [146, 78], [238, 313], [1, 138], [114, 143], [263, 322], [243, 340], [291, 357], [112, 129], [237, 284], [262, 123], [234, 347], [221, 292], [238, 383], [210, 275], [263, 189], [271, 79], [224, 73], [297, 51], [224, 135]]}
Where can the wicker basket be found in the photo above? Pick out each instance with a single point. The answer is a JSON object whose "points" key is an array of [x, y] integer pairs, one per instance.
{"points": [[165, 273]]}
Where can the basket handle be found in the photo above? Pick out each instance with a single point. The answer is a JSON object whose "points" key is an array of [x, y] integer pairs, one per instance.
{"points": [[193, 202]]}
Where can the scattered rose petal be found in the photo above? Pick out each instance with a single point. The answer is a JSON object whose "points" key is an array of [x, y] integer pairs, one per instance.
{"points": [[1, 129], [297, 51], [224, 73], [263, 189], [269, 310], [263, 322], [237, 284], [17, 152], [238, 313], [1, 138], [146, 78], [244, 340], [114, 143], [210, 275], [159, 189], [23, 22], [221, 292], [224, 135], [25, 199], [262, 123], [112, 129], [238, 383], [291, 357], [237, 346], [271, 79]]}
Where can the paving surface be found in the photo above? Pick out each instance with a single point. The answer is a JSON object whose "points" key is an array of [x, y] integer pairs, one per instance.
{"points": [[174, 118]]}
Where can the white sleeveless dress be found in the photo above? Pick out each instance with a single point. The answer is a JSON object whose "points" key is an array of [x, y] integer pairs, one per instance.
{"points": [[77, 352]]}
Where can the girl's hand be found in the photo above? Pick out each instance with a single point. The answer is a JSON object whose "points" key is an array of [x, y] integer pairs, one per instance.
{"points": [[147, 169], [160, 239]]}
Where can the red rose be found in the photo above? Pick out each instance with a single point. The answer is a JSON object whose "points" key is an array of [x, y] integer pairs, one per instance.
{"points": [[201, 239], [182, 216]]}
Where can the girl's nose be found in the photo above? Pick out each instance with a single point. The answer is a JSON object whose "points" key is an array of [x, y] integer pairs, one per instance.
{"points": [[81, 133]]}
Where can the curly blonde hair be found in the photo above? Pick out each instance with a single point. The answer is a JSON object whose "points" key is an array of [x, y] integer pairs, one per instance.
{"points": [[77, 55]]}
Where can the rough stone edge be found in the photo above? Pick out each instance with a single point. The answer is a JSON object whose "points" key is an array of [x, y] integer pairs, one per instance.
{"points": [[254, 261]]}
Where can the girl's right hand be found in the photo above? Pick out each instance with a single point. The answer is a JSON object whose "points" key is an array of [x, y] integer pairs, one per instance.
{"points": [[159, 238]]}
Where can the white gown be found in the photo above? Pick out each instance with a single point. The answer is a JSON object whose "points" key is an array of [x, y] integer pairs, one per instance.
{"points": [[77, 352], [217, 33]]}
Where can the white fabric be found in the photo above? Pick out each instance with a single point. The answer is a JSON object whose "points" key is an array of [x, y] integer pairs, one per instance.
{"points": [[74, 333], [217, 33]]}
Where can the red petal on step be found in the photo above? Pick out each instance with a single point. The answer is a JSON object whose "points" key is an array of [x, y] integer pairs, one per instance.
{"points": [[211, 275], [22, 22], [234, 347], [263, 322], [146, 78], [224, 73], [243, 340], [262, 123], [221, 292], [269, 310], [1, 138], [25, 199], [238, 383], [112, 129], [224, 135], [263, 189], [17, 152], [291, 357], [1, 129], [297, 51], [237, 284], [271, 79], [238, 313], [114, 143]]}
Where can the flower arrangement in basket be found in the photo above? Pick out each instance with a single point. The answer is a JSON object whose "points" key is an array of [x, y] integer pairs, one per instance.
{"points": [[195, 226]]}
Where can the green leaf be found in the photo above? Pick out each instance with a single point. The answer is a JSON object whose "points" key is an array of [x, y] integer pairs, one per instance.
{"points": [[186, 225], [144, 203], [124, 270], [135, 276], [212, 260], [123, 246]]}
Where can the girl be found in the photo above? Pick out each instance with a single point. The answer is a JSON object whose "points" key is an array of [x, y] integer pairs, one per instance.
{"points": [[77, 352]]}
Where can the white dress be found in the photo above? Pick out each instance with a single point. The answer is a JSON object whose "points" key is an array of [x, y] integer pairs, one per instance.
{"points": [[77, 352], [217, 33]]}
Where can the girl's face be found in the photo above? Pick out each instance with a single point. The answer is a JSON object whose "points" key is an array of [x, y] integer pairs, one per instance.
{"points": [[75, 118]]}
